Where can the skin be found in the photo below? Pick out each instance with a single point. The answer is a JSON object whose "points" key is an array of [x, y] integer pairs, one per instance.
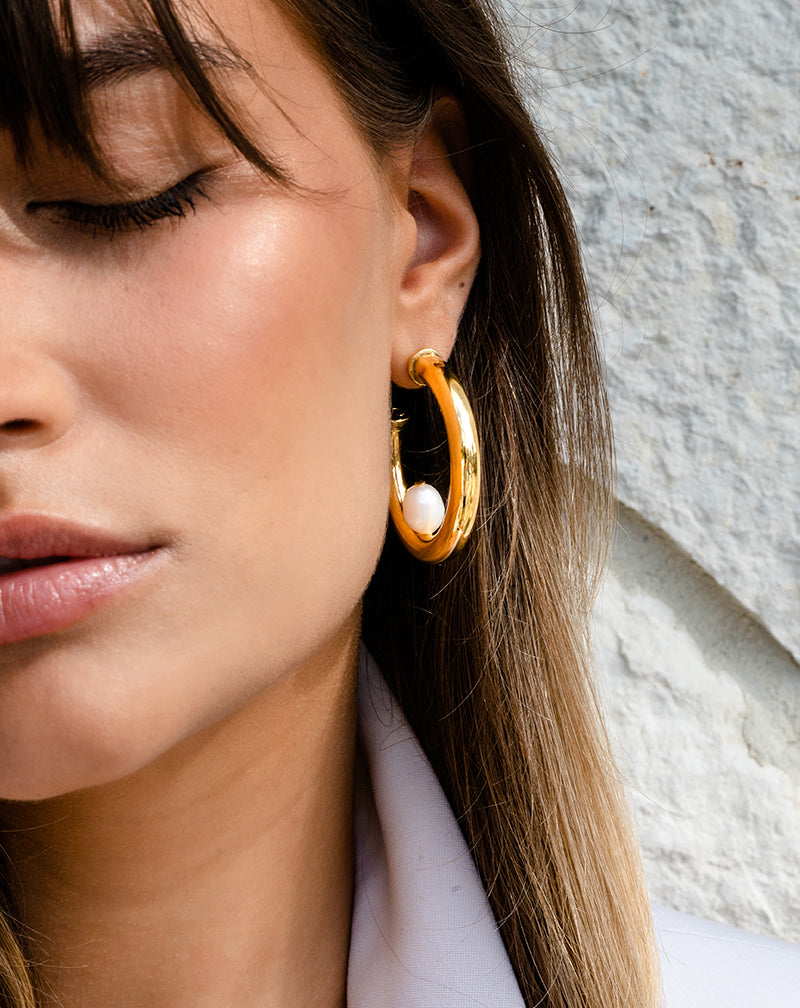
{"points": [[181, 761]]}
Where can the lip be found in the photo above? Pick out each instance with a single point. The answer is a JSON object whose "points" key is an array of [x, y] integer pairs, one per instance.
{"points": [[77, 571]]}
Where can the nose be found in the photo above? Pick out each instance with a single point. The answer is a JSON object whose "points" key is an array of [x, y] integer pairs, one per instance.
{"points": [[37, 406]]}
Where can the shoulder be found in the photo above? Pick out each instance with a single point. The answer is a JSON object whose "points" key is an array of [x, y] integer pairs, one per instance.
{"points": [[709, 965]]}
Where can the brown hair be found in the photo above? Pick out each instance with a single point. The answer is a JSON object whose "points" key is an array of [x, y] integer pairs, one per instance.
{"points": [[488, 652]]}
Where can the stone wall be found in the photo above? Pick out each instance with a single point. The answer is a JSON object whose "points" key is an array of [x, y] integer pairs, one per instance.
{"points": [[677, 126]]}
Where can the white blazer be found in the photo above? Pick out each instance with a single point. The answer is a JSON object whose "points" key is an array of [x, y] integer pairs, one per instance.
{"points": [[423, 933]]}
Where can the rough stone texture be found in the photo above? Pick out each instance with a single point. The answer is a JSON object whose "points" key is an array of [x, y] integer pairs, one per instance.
{"points": [[677, 126], [681, 137], [704, 709]]}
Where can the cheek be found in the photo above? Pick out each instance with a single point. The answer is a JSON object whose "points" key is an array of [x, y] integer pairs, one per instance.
{"points": [[254, 376], [295, 380], [251, 326]]}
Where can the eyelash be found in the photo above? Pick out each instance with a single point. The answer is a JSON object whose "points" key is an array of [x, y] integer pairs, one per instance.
{"points": [[113, 218]]}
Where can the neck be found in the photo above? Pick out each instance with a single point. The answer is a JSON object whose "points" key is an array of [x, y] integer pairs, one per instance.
{"points": [[219, 875]]}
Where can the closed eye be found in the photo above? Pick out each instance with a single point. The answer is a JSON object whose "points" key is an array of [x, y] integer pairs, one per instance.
{"points": [[109, 219]]}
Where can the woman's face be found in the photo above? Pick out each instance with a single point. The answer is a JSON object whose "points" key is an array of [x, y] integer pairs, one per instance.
{"points": [[209, 390]]}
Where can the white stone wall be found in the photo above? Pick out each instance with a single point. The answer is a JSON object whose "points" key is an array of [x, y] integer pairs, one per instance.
{"points": [[677, 126]]}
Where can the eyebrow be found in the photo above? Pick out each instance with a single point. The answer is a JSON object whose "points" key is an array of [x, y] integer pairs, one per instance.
{"points": [[131, 52]]}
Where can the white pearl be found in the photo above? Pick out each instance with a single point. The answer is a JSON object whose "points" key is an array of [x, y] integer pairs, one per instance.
{"points": [[423, 508]]}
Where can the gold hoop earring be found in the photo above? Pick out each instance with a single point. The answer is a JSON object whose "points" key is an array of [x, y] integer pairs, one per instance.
{"points": [[427, 535]]}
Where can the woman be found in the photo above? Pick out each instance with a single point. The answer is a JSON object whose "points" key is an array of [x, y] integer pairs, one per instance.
{"points": [[227, 228]]}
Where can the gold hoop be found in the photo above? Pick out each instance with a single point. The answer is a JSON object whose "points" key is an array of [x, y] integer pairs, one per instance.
{"points": [[427, 367]]}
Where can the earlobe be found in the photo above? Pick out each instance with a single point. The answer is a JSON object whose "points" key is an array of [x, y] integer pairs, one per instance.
{"points": [[438, 277]]}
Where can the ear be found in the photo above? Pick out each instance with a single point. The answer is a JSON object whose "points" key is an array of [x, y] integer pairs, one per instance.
{"points": [[437, 279]]}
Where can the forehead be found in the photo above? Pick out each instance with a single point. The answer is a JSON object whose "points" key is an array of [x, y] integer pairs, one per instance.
{"points": [[257, 62], [248, 49], [221, 34], [43, 92]]}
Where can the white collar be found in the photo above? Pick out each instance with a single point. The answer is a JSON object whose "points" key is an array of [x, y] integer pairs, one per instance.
{"points": [[423, 933]]}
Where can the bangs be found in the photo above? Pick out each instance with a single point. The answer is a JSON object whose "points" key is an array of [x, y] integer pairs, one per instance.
{"points": [[45, 77], [40, 78]]}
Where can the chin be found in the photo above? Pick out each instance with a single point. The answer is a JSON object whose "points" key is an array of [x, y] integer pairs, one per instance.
{"points": [[58, 770], [56, 748]]}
